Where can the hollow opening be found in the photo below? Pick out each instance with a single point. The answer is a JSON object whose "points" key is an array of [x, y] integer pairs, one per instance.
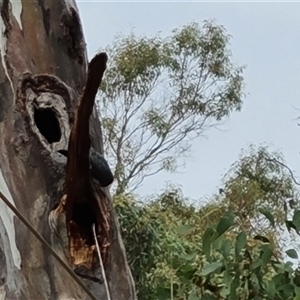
{"points": [[84, 217], [48, 125]]}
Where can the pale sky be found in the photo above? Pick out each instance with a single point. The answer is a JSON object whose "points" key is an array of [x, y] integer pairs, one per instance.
{"points": [[265, 38]]}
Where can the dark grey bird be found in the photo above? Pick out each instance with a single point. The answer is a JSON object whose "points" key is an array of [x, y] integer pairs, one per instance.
{"points": [[99, 167]]}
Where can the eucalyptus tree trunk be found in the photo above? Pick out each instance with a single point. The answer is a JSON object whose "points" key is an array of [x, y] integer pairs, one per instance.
{"points": [[47, 93]]}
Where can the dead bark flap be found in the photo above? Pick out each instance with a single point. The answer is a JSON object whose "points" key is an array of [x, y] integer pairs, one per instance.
{"points": [[86, 203]]}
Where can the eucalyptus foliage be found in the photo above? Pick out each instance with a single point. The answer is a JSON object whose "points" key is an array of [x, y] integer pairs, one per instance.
{"points": [[158, 94], [226, 249]]}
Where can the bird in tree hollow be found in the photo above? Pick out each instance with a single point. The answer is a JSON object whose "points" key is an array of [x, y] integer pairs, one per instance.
{"points": [[99, 167]]}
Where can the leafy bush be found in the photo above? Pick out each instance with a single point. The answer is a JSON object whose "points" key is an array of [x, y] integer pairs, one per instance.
{"points": [[227, 249]]}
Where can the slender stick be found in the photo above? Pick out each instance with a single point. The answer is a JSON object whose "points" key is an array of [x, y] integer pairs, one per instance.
{"points": [[101, 262]]}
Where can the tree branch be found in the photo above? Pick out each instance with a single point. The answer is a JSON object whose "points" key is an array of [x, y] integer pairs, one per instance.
{"points": [[285, 166]]}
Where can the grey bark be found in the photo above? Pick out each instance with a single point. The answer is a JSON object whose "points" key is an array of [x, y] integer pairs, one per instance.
{"points": [[43, 72]]}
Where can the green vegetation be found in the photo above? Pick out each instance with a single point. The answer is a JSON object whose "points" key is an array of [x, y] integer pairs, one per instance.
{"points": [[227, 249], [157, 96], [160, 94]]}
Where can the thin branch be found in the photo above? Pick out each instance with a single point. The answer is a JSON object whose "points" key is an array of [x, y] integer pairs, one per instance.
{"points": [[141, 180], [285, 166]]}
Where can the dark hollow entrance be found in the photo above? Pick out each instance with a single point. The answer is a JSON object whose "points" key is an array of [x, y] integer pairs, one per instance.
{"points": [[84, 217], [48, 125]]}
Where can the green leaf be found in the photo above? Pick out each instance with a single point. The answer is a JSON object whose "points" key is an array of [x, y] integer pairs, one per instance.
{"points": [[268, 215], [296, 219], [256, 264], [233, 289], [266, 255], [210, 268], [208, 297], [162, 293], [240, 242], [297, 292], [225, 223], [227, 279], [287, 289], [193, 297], [207, 238], [187, 271], [185, 229], [292, 253], [225, 248], [224, 292], [271, 288], [188, 257]]}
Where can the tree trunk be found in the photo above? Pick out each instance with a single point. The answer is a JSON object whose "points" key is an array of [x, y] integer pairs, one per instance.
{"points": [[46, 104]]}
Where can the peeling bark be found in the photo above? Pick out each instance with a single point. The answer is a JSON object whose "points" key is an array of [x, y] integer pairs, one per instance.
{"points": [[43, 79]]}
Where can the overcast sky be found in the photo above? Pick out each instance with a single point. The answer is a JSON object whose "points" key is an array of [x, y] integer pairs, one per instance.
{"points": [[265, 38]]}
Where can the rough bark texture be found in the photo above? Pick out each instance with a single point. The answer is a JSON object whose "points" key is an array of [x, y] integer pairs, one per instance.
{"points": [[46, 97]]}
